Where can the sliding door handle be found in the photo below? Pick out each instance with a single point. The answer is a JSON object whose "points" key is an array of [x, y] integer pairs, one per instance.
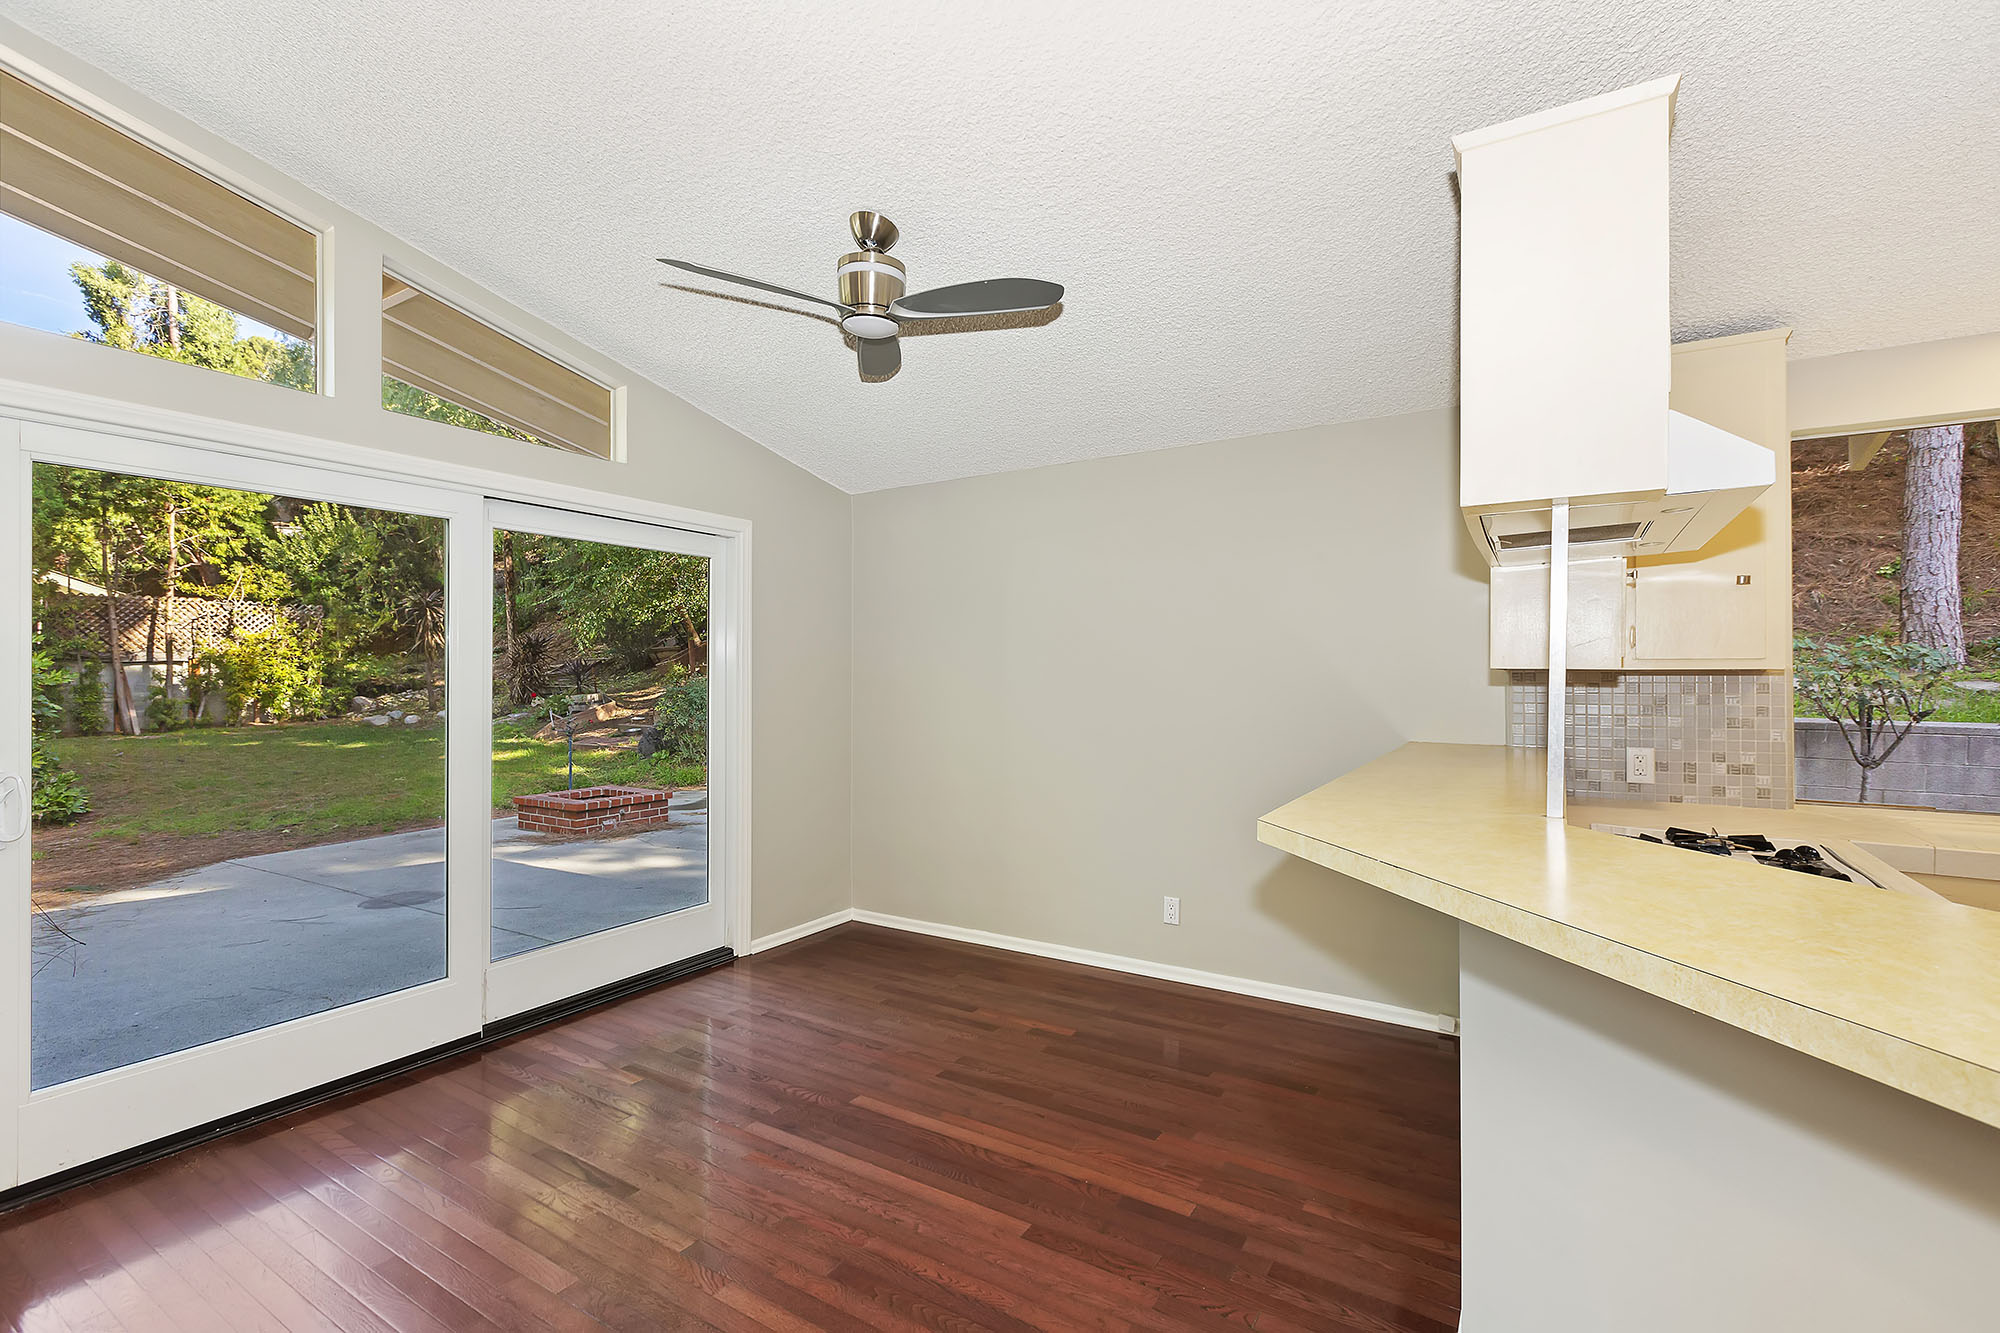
{"points": [[14, 792]]}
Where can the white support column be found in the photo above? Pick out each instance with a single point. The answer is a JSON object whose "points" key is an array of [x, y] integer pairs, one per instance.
{"points": [[1558, 650]]}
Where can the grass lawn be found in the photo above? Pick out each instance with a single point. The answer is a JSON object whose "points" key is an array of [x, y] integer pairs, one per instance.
{"points": [[313, 779]]}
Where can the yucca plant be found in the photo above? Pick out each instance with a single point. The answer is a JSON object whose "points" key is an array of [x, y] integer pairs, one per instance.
{"points": [[529, 668]]}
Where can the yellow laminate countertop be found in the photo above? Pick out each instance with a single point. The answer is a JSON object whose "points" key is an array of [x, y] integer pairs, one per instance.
{"points": [[1900, 988]]}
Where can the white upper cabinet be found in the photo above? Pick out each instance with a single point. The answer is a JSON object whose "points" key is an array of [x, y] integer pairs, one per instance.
{"points": [[1563, 322], [1564, 337]]}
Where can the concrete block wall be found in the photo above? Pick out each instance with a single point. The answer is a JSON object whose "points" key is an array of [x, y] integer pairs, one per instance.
{"points": [[1943, 765]]}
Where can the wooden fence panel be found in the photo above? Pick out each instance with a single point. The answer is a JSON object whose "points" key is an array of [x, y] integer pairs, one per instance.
{"points": [[196, 625]]}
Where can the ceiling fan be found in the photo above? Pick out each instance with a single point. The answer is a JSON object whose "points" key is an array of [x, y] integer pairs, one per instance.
{"points": [[873, 308]]}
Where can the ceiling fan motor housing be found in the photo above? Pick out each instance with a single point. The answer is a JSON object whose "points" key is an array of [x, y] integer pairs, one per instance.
{"points": [[869, 281]]}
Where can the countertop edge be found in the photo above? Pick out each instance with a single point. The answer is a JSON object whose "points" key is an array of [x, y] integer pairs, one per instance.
{"points": [[1931, 1075]]}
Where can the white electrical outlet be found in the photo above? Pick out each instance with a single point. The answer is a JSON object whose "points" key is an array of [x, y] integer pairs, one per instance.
{"points": [[1173, 915], [1639, 763]]}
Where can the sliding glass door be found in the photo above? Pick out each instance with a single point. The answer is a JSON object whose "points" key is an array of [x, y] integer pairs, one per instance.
{"points": [[602, 749], [329, 768], [245, 877]]}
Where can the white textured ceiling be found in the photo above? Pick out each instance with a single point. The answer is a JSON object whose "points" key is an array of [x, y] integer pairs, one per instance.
{"points": [[1250, 205]]}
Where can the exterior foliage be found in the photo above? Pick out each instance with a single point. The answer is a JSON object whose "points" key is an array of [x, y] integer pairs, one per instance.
{"points": [[682, 717], [86, 701], [132, 311], [277, 674], [1875, 689], [529, 667], [57, 796]]}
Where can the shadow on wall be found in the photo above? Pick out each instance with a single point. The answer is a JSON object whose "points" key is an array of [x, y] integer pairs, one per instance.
{"points": [[1384, 946]]}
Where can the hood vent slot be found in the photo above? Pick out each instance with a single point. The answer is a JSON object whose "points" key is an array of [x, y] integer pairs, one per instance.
{"points": [[1602, 532]]}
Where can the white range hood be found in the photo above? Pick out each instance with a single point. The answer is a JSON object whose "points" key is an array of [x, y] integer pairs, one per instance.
{"points": [[1566, 343], [1712, 476]]}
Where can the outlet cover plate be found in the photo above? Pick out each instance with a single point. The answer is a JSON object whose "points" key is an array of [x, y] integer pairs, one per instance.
{"points": [[1639, 763]]}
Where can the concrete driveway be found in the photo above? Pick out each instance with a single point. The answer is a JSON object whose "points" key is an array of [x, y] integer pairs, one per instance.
{"points": [[245, 943]]}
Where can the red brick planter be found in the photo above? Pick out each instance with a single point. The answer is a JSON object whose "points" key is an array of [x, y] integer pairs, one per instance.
{"points": [[593, 809]]}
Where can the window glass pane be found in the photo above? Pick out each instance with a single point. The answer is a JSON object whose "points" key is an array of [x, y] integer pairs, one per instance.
{"points": [[1896, 663], [441, 363], [109, 240], [239, 763], [600, 737]]}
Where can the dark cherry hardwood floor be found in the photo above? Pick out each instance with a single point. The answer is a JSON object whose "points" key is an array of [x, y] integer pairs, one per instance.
{"points": [[865, 1130]]}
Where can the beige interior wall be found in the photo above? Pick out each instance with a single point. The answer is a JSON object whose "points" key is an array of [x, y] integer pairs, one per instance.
{"points": [[675, 455], [1076, 688]]}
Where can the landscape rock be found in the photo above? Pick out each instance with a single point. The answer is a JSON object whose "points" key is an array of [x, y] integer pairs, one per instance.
{"points": [[395, 715], [362, 703], [650, 742], [377, 721], [411, 719], [1983, 686]]}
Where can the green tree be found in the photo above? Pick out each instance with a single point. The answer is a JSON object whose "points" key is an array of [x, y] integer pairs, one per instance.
{"points": [[137, 313], [414, 402], [1874, 689], [620, 599], [378, 574]]}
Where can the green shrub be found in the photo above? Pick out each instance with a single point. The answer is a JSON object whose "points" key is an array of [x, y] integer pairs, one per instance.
{"points": [[682, 717], [268, 676], [86, 701], [163, 711], [372, 674], [57, 797]]}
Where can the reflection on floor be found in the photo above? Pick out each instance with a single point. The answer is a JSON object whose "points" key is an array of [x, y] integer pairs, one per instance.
{"points": [[237, 946], [860, 1131]]}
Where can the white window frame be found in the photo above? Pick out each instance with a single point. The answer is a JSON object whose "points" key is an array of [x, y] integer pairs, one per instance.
{"points": [[172, 147], [447, 293]]}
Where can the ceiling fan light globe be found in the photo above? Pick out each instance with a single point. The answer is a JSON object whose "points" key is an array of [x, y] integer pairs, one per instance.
{"points": [[869, 326]]}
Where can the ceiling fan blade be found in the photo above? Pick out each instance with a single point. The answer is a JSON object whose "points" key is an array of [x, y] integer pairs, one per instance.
{"points": [[752, 282], [994, 296], [934, 324], [878, 358]]}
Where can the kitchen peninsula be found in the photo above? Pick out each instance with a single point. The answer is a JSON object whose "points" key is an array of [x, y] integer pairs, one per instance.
{"points": [[1646, 1144]]}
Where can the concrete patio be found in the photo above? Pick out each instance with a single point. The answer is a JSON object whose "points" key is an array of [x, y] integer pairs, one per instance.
{"points": [[246, 943]]}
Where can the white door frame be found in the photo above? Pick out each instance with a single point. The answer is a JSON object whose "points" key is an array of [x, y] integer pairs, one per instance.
{"points": [[149, 436], [528, 981], [106, 1113]]}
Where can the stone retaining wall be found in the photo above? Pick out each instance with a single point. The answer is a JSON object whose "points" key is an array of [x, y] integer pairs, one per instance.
{"points": [[1943, 765]]}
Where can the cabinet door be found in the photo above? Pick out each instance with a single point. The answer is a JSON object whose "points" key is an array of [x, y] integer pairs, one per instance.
{"points": [[1696, 611], [1519, 637]]}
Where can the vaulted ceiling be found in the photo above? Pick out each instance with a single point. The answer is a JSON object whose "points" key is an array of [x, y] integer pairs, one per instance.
{"points": [[1250, 204]]}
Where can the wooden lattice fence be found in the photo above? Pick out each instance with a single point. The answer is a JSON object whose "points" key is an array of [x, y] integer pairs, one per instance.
{"points": [[149, 633]]}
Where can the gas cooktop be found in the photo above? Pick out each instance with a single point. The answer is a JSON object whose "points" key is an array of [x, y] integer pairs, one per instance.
{"points": [[1808, 858]]}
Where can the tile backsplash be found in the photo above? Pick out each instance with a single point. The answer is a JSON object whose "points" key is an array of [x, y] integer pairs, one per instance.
{"points": [[1716, 739]]}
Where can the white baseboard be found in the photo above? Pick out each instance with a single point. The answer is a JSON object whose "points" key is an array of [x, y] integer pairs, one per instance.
{"points": [[1325, 1001], [800, 931]]}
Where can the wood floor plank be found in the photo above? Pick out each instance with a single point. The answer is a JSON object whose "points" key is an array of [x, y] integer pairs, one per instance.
{"points": [[863, 1131]]}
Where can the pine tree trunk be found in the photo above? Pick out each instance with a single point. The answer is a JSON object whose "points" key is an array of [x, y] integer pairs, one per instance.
{"points": [[1933, 505], [507, 588]]}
